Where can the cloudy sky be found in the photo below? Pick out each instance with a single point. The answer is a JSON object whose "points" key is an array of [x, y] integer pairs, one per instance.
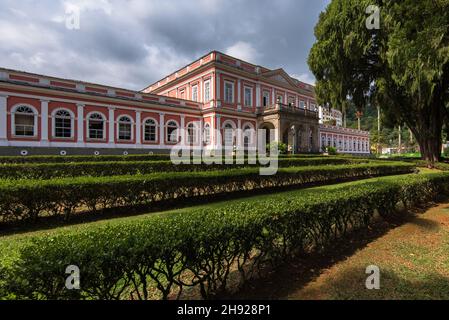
{"points": [[132, 43]]}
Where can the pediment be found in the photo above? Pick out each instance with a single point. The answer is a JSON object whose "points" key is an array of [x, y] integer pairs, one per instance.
{"points": [[280, 76]]}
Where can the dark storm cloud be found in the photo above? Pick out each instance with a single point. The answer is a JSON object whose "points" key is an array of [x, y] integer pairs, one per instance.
{"points": [[132, 43]]}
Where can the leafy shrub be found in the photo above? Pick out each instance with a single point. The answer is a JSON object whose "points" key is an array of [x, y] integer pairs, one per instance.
{"points": [[446, 152], [332, 151], [282, 147], [203, 247], [29, 199]]}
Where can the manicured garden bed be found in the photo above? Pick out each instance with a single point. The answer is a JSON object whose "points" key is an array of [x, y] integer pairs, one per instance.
{"points": [[116, 168], [202, 247], [30, 199]]}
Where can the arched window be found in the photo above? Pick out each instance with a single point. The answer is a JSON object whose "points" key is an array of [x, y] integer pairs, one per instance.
{"points": [[63, 124], [247, 136], [125, 128], [172, 132], [192, 134], [150, 130], [207, 133], [25, 122], [228, 135], [96, 126]]}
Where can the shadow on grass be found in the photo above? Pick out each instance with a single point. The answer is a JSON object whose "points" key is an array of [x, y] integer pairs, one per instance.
{"points": [[297, 273], [350, 285]]}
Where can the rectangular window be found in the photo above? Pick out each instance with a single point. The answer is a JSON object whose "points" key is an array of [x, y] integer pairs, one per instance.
{"points": [[291, 101], [248, 97], [302, 104], [195, 93], [63, 127], [207, 91], [280, 99], [229, 92], [182, 94], [266, 98]]}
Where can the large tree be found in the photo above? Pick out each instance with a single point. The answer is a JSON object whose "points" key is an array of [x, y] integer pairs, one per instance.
{"points": [[403, 66]]}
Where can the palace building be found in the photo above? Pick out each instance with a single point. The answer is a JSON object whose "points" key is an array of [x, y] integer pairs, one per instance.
{"points": [[211, 100]]}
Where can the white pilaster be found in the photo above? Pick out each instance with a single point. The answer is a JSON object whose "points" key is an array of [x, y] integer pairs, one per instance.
{"points": [[3, 117], [217, 86], [4, 76], [111, 125], [213, 96], [218, 138], [80, 123], [138, 127], [162, 129], [258, 94], [273, 96], [239, 94], [183, 130], [44, 120], [201, 134], [239, 134]]}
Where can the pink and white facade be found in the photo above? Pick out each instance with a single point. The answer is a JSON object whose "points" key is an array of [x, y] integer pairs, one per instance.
{"points": [[47, 115]]}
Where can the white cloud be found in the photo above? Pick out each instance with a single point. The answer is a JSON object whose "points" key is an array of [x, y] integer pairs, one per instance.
{"points": [[305, 77], [243, 50]]}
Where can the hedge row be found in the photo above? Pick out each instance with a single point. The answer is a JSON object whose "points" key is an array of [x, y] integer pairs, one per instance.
{"points": [[29, 199], [104, 158], [64, 159], [115, 168], [203, 247]]}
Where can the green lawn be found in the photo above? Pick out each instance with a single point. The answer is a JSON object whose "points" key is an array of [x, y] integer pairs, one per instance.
{"points": [[413, 261]]}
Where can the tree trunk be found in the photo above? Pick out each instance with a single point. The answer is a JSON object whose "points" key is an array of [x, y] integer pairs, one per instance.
{"points": [[430, 149]]}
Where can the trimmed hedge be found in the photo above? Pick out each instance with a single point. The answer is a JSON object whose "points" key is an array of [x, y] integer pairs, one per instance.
{"points": [[65, 159], [105, 158], [116, 168], [29, 199], [204, 246]]}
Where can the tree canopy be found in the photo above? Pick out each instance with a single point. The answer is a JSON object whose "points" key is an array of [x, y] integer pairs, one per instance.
{"points": [[403, 66]]}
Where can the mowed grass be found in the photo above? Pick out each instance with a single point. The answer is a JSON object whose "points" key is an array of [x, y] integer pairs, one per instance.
{"points": [[413, 261]]}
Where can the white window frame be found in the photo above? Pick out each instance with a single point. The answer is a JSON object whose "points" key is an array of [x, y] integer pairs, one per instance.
{"points": [[144, 125], [195, 93], [248, 127], [167, 136], [233, 127], [245, 88], [72, 123], [118, 127], [207, 132], [195, 134], [267, 95], [104, 125], [13, 120], [232, 84], [207, 96]]}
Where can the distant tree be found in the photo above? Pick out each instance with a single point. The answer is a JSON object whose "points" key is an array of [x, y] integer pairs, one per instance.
{"points": [[403, 66]]}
